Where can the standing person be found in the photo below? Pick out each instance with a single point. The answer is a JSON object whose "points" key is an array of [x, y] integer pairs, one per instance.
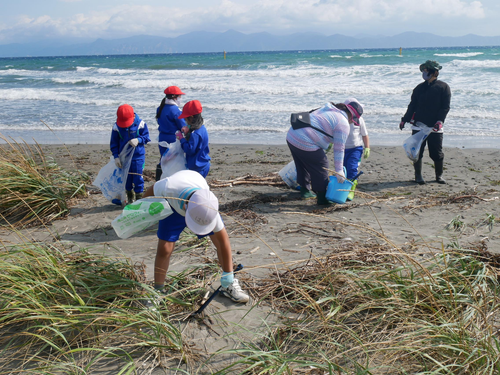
{"points": [[328, 124], [129, 128], [356, 146], [167, 117], [196, 207], [429, 105], [194, 138]]}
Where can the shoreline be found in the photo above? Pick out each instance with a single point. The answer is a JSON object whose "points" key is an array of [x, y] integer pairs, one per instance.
{"points": [[47, 137]]}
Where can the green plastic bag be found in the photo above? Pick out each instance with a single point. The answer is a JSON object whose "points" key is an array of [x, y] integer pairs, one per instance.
{"points": [[140, 215]]}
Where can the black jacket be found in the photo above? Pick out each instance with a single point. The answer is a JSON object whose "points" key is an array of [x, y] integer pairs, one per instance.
{"points": [[430, 102]]}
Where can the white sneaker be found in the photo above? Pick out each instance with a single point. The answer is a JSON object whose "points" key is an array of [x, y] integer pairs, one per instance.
{"points": [[234, 292]]}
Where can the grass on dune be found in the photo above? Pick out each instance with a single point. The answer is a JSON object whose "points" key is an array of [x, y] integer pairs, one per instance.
{"points": [[32, 187], [74, 312], [390, 316]]}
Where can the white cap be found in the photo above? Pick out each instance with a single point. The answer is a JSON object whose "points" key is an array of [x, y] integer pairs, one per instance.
{"points": [[202, 211], [352, 100]]}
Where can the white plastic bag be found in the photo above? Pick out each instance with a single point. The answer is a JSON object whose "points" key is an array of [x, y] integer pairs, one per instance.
{"points": [[173, 160], [111, 179], [289, 174], [412, 144], [140, 215]]}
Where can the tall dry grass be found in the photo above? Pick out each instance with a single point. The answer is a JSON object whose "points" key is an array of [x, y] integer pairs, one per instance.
{"points": [[73, 313], [32, 187], [394, 315]]}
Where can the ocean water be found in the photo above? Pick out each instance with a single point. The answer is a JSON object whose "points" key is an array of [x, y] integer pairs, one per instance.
{"points": [[247, 97]]}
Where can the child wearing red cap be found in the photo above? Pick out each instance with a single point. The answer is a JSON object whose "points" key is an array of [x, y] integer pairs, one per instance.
{"points": [[130, 129], [167, 117], [194, 138]]}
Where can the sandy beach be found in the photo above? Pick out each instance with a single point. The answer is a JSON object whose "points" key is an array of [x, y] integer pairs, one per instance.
{"points": [[270, 227]]}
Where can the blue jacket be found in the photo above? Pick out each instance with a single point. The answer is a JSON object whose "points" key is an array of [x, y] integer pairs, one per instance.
{"points": [[120, 137], [196, 149], [168, 123]]}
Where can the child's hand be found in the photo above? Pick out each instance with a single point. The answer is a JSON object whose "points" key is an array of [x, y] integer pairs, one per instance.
{"points": [[133, 142], [184, 130], [179, 135], [118, 163], [366, 153]]}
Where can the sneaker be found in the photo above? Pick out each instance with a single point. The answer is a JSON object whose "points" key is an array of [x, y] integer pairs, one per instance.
{"points": [[234, 292]]}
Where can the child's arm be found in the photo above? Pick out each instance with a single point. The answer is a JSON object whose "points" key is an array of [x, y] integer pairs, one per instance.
{"points": [[144, 134], [191, 147], [114, 143]]}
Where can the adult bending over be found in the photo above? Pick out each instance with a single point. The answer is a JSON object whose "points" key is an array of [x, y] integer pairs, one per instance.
{"points": [[308, 145]]}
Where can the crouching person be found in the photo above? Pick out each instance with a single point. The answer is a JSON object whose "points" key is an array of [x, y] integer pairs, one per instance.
{"points": [[196, 207]]}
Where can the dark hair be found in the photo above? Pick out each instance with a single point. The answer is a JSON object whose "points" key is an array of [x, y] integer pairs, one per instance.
{"points": [[343, 107], [196, 121], [162, 104]]}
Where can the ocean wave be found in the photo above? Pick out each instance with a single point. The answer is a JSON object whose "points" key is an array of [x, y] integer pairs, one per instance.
{"points": [[475, 63], [464, 54]]}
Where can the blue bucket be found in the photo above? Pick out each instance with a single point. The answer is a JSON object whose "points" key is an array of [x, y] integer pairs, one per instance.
{"points": [[335, 191]]}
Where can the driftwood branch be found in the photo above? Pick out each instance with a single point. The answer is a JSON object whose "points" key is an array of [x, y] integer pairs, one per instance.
{"points": [[273, 180]]}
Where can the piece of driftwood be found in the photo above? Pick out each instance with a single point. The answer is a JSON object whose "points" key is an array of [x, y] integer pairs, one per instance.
{"points": [[273, 180]]}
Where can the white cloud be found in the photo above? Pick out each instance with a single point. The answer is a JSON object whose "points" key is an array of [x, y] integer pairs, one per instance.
{"points": [[326, 16]]}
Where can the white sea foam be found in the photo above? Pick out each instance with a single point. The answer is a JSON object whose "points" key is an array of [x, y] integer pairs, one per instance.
{"points": [[465, 54]]}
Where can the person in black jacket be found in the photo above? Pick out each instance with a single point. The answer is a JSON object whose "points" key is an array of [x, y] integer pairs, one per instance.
{"points": [[429, 105]]}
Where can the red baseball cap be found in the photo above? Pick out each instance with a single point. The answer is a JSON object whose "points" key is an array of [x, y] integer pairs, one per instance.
{"points": [[191, 108], [173, 90], [125, 116]]}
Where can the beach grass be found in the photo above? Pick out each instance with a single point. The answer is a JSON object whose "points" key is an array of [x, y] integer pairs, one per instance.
{"points": [[76, 312], [33, 188], [380, 312]]}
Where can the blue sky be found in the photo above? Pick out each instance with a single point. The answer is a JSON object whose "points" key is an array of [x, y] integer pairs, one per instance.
{"points": [[34, 20]]}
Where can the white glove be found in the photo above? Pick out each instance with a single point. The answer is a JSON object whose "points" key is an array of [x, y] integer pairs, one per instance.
{"points": [[133, 142], [340, 177], [118, 163]]}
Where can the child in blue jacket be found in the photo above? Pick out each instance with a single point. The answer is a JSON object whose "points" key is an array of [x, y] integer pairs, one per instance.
{"points": [[129, 128], [194, 138], [167, 117]]}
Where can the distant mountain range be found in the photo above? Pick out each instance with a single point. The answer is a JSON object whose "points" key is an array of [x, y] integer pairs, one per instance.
{"points": [[234, 41]]}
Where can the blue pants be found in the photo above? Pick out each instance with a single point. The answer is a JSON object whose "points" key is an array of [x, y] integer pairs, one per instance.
{"points": [[352, 160], [134, 179]]}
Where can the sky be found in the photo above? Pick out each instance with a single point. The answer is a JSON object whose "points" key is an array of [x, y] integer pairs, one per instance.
{"points": [[24, 21]]}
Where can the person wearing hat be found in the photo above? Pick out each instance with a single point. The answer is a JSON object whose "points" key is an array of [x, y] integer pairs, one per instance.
{"points": [[167, 117], [429, 105], [356, 147], [328, 124], [194, 138], [130, 129], [196, 207]]}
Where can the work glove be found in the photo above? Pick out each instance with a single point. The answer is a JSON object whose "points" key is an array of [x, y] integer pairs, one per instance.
{"points": [[118, 163], [438, 126], [133, 142], [329, 148], [366, 153], [179, 135], [340, 177], [402, 125], [185, 129]]}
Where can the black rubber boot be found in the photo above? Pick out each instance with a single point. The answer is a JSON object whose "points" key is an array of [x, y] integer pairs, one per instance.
{"points": [[321, 199], [130, 196], [158, 172], [418, 172], [438, 165]]}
